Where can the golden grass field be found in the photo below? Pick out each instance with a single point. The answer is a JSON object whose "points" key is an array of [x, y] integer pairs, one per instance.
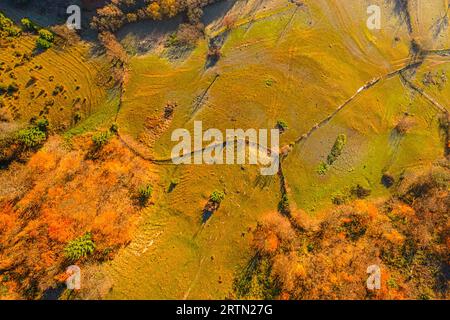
{"points": [[314, 61]]}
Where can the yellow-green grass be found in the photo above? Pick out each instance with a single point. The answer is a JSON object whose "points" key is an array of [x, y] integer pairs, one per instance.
{"points": [[297, 68], [373, 147], [79, 74], [174, 257], [306, 75]]}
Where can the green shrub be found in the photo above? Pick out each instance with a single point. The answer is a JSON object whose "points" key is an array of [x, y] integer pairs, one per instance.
{"points": [[392, 283], [322, 168], [172, 40], [28, 25], [217, 196], [355, 228], [282, 125], [43, 44], [339, 198], [360, 192], [145, 193], [42, 124], [7, 25], [283, 206], [12, 31], [114, 128], [46, 35], [77, 117], [79, 248], [31, 137], [173, 184], [336, 151], [100, 139], [269, 82], [4, 21]]}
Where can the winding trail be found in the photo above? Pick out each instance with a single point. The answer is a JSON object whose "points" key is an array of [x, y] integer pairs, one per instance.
{"points": [[201, 99], [169, 161], [422, 92]]}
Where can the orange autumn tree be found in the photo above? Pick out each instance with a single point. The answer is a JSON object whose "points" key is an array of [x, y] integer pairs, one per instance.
{"points": [[406, 236], [60, 196]]}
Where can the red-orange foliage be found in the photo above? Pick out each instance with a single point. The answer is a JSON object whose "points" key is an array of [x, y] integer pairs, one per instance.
{"points": [[66, 196], [407, 237]]}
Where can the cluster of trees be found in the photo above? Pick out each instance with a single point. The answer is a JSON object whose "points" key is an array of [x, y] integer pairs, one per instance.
{"points": [[34, 136], [334, 154], [119, 12], [326, 257], [45, 39], [62, 208], [7, 26]]}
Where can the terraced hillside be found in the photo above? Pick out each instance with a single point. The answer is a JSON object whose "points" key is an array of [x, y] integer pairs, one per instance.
{"points": [[365, 112]]}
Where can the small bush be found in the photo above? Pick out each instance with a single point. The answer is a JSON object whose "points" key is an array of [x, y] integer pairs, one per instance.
{"points": [[28, 25], [355, 228], [173, 184], [43, 44], [171, 40], [404, 125], [217, 196], [387, 180], [145, 193], [42, 124], [31, 137], [7, 25], [322, 168], [360, 192], [269, 82], [339, 198], [336, 151], [114, 128], [12, 88], [45, 40], [282, 125], [100, 139], [46, 35], [79, 248]]}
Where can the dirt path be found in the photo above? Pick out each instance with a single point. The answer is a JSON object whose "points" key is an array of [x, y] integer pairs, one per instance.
{"points": [[422, 92], [362, 89], [201, 98], [169, 161]]}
